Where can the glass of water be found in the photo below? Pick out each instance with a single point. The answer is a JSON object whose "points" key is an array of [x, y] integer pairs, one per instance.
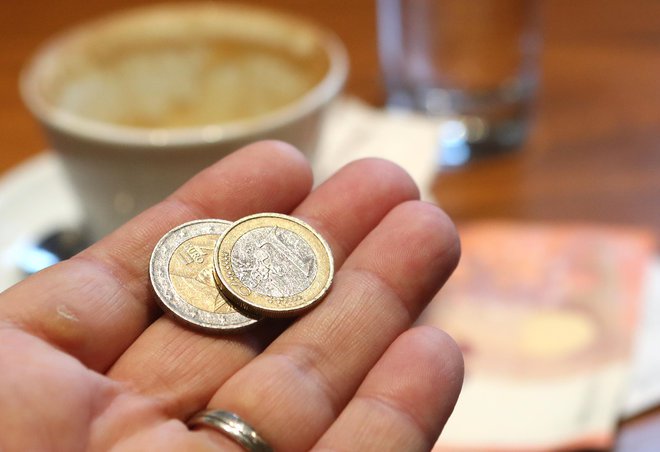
{"points": [[473, 63]]}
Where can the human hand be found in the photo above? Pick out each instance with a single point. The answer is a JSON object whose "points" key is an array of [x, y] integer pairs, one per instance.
{"points": [[89, 362]]}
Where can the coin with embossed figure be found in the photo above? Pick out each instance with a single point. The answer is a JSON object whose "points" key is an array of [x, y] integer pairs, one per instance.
{"points": [[273, 265], [182, 274]]}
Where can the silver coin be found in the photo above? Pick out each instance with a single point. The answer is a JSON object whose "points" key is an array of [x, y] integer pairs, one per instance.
{"points": [[273, 265], [182, 274]]}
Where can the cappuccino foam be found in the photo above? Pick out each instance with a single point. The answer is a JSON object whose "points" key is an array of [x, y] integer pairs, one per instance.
{"points": [[184, 65]]}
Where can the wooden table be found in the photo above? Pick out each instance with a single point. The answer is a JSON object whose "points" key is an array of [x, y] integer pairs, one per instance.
{"points": [[594, 152]]}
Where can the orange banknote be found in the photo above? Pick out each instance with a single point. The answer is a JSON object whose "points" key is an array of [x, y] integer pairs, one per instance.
{"points": [[545, 316]]}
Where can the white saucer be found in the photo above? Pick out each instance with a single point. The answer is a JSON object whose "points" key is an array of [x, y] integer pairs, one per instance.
{"points": [[35, 200]]}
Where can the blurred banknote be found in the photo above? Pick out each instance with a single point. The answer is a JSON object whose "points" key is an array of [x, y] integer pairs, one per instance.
{"points": [[545, 316]]}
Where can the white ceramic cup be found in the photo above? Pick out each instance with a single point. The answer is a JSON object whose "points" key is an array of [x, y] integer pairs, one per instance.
{"points": [[120, 169]]}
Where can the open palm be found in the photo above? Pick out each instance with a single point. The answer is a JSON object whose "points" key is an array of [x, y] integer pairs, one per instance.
{"points": [[88, 361]]}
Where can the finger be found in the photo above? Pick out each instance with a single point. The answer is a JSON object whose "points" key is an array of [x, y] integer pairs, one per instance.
{"points": [[293, 391], [183, 369], [95, 305], [405, 399]]}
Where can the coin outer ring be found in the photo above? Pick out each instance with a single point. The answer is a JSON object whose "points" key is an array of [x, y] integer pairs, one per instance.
{"points": [[260, 304], [168, 298]]}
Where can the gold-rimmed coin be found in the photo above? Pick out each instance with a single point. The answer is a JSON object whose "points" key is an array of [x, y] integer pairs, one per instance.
{"points": [[182, 274], [273, 265]]}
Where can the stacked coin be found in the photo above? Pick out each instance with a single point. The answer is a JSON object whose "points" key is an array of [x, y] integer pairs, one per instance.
{"points": [[223, 276]]}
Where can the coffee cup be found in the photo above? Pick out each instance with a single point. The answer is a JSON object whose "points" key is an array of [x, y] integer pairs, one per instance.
{"points": [[137, 102]]}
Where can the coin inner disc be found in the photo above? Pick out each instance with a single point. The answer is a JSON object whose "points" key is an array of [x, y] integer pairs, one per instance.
{"points": [[191, 273], [274, 262]]}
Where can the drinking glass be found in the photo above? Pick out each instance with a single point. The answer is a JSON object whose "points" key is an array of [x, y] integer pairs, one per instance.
{"points": [[471, 62]]}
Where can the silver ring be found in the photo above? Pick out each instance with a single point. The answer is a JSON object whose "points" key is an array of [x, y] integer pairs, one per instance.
{"points": [[232, 426]]}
